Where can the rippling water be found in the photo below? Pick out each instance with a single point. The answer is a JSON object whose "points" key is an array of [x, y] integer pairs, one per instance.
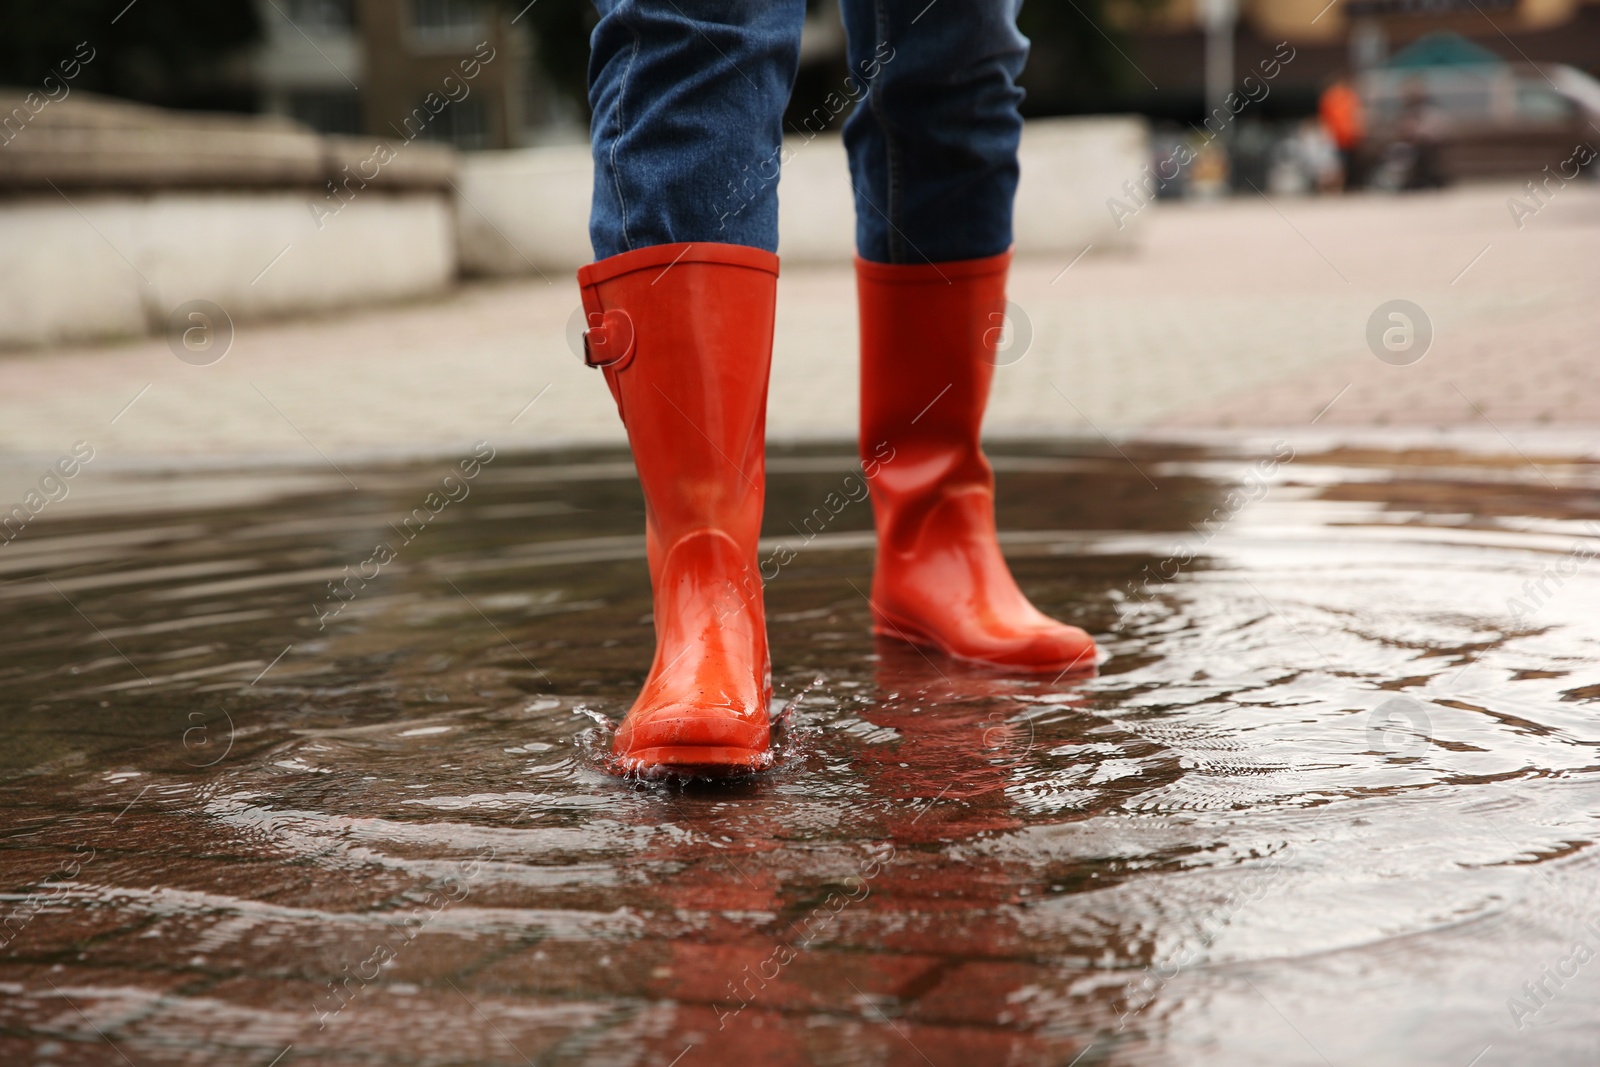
{"points": [[1331, 798]]}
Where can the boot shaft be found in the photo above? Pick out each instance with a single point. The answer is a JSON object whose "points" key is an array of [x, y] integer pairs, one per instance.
{"points": [[684, 335], [928, 339]]}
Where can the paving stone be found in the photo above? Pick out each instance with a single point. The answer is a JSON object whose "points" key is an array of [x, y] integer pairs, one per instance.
{"points": [[1231, 315]]}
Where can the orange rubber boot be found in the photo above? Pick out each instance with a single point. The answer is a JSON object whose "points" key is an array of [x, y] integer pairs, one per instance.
{"points": [[684, 333], [928, 336]]}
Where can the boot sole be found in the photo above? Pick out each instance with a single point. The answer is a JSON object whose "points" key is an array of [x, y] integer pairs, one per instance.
{"points": [[695, 761], [693, 746], [886, 625]]}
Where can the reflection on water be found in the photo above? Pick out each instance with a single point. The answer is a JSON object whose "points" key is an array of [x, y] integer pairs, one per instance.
{"points": [[1332, 798]]}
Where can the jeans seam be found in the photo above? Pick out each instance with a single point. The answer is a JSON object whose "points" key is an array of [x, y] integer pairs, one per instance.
{"points": [[622, 94], [891, 161]]}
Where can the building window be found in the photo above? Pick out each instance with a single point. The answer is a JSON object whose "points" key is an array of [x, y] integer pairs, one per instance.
{"points": [[327, 17], [327, 111], [438, 25], [463, 123]]}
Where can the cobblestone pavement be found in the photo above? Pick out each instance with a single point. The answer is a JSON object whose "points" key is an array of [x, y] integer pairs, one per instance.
{"points": [[1234, 315], [1514, 340]]}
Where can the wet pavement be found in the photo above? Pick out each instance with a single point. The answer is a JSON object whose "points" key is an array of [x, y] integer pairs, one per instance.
{"points": [[303, 773]]}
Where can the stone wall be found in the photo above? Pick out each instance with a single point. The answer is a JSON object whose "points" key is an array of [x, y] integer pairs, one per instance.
{"points": [[113, 215], [529, 209]]}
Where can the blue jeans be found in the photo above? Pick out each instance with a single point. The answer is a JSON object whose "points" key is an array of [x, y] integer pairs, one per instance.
{"points": [[688, 99]]}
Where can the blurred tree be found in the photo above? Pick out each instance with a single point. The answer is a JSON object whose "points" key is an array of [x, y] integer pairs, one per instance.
{"points": [[185, 53], [1081, 61], [1078, 63], [177, 53], [562, 54]]}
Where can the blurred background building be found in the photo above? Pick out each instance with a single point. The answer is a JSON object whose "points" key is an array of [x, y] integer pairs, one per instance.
{"points": [[360, 66], [1166, 39], [446, 137]]}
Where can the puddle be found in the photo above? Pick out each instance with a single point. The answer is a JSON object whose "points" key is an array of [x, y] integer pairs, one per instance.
{"points": [[311, 773]]}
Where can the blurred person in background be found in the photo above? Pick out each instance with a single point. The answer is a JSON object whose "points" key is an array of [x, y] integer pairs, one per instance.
{"points": [[1325, 165], [1419, 130], [1344, 121], [688, 100]]}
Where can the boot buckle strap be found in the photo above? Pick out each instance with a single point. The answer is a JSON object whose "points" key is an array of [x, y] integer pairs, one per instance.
{"points": [[608, 342]]}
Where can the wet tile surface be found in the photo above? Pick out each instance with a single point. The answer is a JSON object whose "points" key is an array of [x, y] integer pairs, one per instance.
{"points": [[1331, 798]]}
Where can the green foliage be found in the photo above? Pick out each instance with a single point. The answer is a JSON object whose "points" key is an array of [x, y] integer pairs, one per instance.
{"points": [[562, 30], [1080, 58]]}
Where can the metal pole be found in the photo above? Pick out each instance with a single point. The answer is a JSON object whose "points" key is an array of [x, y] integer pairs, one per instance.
{"points": [[1220, 17]]}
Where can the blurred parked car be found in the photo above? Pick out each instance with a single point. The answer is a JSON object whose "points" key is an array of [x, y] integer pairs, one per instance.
{"points": [[1445, 109]]}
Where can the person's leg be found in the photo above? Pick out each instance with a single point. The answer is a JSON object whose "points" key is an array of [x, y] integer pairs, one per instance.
{"points": [[688, 99], [688, 102], [933, 156], [933, 146]]}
